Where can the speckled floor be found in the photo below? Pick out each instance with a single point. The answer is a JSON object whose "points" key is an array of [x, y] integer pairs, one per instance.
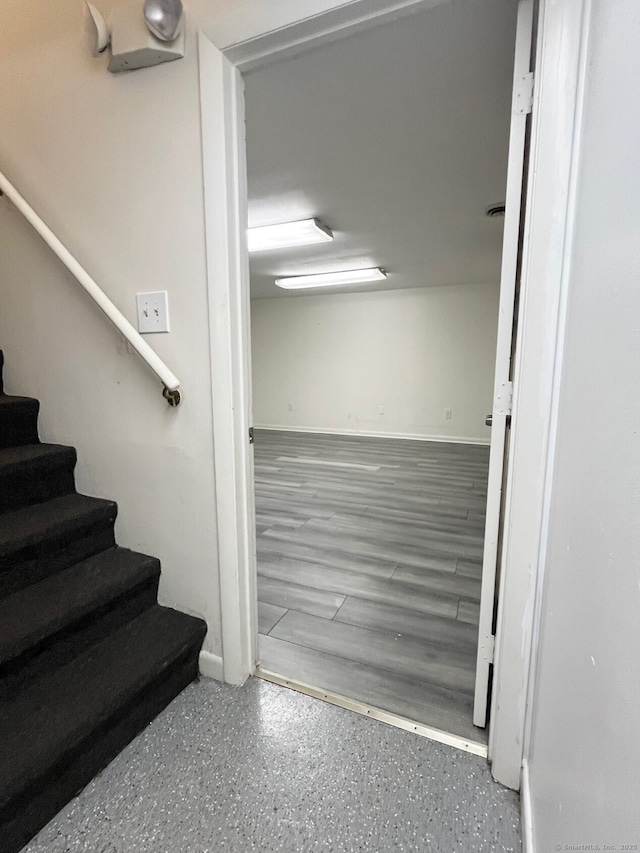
{"points": [[263, 768]]}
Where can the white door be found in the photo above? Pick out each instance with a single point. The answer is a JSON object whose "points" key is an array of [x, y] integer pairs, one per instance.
{"points": [[521, 107]]}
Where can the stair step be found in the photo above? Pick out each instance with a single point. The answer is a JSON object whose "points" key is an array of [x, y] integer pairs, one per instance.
{"points": [[33, 473], [18, 420], [62, 603], [40, 540], [87, 656], [68, 725]]}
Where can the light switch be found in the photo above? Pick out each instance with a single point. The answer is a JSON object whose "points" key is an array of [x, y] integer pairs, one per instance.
{"points": [[153, 312]]}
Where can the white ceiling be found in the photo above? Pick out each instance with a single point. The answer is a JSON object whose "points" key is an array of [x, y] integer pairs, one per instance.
{"points": [[397, 139]]}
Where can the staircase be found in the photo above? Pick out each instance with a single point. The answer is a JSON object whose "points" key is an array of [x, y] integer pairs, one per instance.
{"points": [[87, 656]]}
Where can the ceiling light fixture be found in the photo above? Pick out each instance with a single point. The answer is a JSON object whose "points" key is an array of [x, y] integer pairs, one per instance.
{"points": [[286, 234], [331, 279]]}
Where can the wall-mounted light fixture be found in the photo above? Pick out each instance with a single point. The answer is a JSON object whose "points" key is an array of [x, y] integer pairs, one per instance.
{"points": [[286, 234], [332, 279], [141, 40]]}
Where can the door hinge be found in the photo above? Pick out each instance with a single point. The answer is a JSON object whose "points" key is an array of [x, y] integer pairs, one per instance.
{"points": [[487, 646], [504, 399], [251, 436], [523, 103]]}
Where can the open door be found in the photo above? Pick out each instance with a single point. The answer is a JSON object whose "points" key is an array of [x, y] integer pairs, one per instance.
{"points": [[499, 419]]}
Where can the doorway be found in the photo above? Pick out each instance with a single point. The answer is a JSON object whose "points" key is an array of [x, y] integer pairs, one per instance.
{"points": [[371, 481], [547, 240]]}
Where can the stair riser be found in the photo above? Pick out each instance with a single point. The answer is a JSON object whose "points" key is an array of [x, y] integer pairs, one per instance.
{"points": [[24, 488], [52, 555], [19, 424], [62, 647], [22, 819]]}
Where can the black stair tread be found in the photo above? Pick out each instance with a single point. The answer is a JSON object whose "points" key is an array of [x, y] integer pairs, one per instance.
{"points": [[32, 454], [43, 609], [29, 525], [14, 400], [48, 723]]}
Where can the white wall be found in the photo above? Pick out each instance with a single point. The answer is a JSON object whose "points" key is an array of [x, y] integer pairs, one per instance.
{"points": [[339, 357], [114, 165], [584, 753]]}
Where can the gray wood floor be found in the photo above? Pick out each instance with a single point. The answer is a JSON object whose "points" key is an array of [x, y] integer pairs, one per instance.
{"points": [[369, 567]]}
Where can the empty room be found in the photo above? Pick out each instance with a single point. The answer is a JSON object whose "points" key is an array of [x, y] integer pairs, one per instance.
{"points": [[377, 172]]}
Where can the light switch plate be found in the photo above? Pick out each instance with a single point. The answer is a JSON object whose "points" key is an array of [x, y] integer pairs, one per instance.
{"points": [[153, 312]]}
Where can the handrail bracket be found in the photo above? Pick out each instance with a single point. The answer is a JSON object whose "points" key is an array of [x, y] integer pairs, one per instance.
{"points": [[173, 398]]}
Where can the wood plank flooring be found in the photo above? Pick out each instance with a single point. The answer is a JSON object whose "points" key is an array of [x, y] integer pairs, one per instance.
{"points": [[369, 568]]}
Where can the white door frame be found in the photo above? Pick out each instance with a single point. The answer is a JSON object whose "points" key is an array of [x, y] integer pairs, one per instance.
{"points": [[546, 241], [225, 204]]}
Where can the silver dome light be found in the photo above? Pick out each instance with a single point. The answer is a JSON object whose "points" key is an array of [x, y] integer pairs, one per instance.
{"points": [[163, 18]]}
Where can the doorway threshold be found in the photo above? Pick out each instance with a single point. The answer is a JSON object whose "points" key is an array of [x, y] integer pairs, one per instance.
{"points": [[399, 722]]}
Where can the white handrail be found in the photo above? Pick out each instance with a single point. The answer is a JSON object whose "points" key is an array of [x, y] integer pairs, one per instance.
{"points": [[169, 380]]}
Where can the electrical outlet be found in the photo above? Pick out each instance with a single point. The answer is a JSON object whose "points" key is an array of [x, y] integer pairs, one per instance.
{"points": [[291, 407], [381, 409], [447, 414], [153, 312]]}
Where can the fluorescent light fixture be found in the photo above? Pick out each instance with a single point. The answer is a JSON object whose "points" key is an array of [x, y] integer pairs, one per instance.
{"points": [[286, 234], [331, 279]]}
